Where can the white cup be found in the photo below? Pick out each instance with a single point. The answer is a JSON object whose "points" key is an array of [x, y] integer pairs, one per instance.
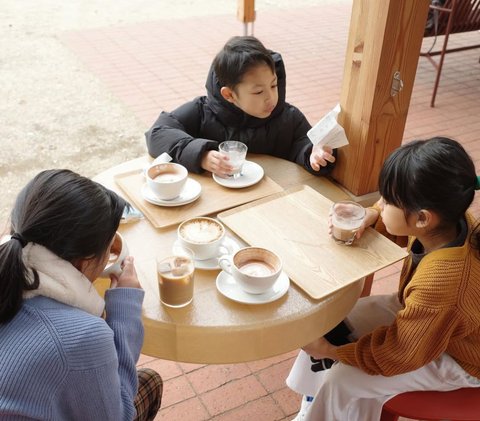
{"points": [[255, 269], [236, 152], [166, 180], [202, 235], [118, 252]]}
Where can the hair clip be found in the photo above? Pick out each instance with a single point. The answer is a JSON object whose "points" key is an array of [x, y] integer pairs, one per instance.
{"points": [[477, 183]]}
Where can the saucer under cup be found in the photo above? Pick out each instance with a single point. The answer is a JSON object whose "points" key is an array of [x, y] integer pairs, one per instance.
{"points": [[251, 174], [227, 286]]}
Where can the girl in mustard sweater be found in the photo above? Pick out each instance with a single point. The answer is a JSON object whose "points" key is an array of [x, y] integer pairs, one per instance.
{"points": [[427, 336]]}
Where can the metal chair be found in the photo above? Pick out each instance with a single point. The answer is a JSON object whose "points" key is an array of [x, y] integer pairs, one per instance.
{"points": [[454, 16]]}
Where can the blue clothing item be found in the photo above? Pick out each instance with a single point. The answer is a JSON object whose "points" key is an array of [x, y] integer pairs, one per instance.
{"points": [[58, 362]]}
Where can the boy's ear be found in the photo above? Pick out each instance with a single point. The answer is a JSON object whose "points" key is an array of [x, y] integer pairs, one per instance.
{"points": [[425, 219], [227, 94]]}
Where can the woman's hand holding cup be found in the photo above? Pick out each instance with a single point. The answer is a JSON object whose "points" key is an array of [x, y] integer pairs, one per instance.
{"points": [[127, 278]]}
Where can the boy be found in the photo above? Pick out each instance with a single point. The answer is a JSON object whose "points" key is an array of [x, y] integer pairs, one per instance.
{"points": [[245, 102]]}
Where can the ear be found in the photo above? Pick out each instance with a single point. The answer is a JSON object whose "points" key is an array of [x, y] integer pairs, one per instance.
{"points": [[81, 264], [227, 94], [426, 219]]}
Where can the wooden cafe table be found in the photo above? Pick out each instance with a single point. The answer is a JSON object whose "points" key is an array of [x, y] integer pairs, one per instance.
{"points": [[213, 329]]}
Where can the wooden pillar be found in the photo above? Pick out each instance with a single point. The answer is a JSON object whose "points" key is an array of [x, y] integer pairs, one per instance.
{"points": [[246, 14], [385, 38], [246, 11]]}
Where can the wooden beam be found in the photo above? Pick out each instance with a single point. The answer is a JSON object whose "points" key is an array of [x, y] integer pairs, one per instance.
{"points": [[246, 11], [385, 37]]}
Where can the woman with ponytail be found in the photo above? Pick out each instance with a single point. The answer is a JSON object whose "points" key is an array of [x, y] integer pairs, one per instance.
{"points": [[60, 359]]}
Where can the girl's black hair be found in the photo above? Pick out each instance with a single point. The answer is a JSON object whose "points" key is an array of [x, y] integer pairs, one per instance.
{"points": [[435, 174], [237, 57], [72, 216]]}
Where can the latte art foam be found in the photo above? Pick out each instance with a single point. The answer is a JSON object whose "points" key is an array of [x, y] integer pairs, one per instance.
{"points": [[256, 268], [201, 231]]}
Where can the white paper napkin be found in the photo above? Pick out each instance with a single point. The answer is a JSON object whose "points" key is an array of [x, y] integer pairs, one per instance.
{"points": [[327, 132]]}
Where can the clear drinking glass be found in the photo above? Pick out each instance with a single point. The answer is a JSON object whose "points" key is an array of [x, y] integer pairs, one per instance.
{"points": [[175, 278], [236, 152], [347, 217]]}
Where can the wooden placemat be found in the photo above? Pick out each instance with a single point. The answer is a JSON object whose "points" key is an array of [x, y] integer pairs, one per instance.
{"points": [[214, 198], [294, 224]]}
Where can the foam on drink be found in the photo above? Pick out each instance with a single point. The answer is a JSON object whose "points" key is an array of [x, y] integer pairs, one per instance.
{"points": [[201, 231]]}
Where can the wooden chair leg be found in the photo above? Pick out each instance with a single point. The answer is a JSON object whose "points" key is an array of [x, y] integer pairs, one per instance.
{"points": [[367, 286]]}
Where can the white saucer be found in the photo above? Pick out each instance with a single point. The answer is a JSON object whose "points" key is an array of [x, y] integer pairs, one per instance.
{"points": [[228, 243], [191, 191], [230, 289], [252, 173]]}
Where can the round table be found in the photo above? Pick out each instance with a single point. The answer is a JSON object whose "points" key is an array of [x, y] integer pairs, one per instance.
{"points": [[213, 329]]}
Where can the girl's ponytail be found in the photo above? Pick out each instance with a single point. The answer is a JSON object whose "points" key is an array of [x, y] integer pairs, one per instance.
{"points": [[70, 215], [14, 279]]}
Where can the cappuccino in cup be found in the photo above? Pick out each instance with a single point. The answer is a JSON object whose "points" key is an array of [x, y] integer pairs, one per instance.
{"points": [[166, 180], [202, 235], [255, 269], [175, 280], [347, 218]]}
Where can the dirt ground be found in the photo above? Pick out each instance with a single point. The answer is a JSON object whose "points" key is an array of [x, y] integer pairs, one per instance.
{"points": [[54, 113]]}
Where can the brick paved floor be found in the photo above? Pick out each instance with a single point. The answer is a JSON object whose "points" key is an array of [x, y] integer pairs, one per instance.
{"points": [[160, 64]]}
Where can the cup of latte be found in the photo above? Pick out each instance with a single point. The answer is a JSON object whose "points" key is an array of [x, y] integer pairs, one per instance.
{"points": [[347, 218], [118, 252], [166, 180], [255, 269], [175, 279], [203, 236]]}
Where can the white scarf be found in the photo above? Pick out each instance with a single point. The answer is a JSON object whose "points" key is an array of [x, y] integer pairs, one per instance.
{"points": [[60, 280]]}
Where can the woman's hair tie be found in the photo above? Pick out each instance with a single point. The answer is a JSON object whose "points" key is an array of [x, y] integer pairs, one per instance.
{"points": [[477, 183], [19, 237]]}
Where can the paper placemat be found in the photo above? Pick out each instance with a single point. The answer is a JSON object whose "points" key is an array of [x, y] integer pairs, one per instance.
{"points": [[213, 198], [294, 224]]}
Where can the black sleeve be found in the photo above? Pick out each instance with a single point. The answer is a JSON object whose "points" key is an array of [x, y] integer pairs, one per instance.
{"points": [[302, 146], [176, 133]]}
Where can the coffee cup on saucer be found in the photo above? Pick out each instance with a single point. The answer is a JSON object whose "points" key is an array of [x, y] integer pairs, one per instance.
{"points": [[166, 180], [255, 269], [118, 252], [202, 235]]}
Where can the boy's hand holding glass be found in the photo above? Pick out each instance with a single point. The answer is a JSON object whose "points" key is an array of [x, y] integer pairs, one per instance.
{"points": [[216, 163], [321, 156]]}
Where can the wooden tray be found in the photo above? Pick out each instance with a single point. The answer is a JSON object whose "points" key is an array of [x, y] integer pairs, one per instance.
{"points": [[294, 224], [213, 198]]}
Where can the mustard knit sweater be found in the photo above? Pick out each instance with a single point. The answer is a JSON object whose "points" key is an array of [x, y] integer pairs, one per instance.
{"points": [[441, 313]]}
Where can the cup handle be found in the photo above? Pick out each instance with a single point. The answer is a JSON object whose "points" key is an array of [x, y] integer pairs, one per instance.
{"points": [[225, 262], [161, 159]]}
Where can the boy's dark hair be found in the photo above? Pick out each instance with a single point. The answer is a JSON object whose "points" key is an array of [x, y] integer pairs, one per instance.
{"points": [[70, 215], [435, 174], [237, 57]]}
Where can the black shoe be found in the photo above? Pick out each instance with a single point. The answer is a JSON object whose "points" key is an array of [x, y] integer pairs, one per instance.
{"points": [[321, 364]]}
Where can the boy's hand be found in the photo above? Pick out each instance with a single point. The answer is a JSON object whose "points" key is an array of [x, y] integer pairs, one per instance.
{"points": [[128, 278], [321, 156], [216, 163]]}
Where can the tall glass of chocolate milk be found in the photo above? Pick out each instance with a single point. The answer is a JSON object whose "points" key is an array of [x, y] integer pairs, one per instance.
{"points": [[347, 218], [175, 279]]}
